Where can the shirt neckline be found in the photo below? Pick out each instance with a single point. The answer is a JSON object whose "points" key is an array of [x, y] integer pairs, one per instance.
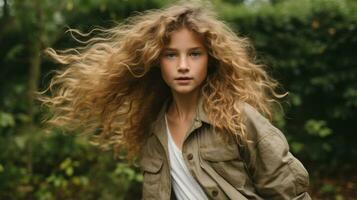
{"points": [[170, 136]]}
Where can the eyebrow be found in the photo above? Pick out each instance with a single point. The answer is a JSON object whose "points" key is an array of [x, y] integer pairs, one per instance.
{"points": [[173, 49]]}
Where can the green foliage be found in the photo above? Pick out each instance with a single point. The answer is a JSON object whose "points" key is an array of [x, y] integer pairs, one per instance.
{"points": [[61, 167], [318, 128], [310, 47], [6, 120]]}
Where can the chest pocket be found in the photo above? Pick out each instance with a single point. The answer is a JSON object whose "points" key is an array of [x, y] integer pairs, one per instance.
{"points": [[225, 159], [151, 168]]}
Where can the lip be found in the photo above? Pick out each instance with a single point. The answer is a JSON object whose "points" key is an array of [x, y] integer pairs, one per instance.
{"points": [[183, 80]]}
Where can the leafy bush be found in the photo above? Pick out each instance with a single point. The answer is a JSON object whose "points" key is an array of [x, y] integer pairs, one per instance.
{"points": [[310, 46], [35, 165]]}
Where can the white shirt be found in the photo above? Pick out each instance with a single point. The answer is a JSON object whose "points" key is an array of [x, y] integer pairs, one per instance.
{"points": [[184, 185]]}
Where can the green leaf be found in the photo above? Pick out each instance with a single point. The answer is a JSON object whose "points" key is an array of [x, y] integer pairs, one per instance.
{"points": [[21, 141], [317, 128], [339, 197], [1, 168], [69, 171], [328, 188], [23, 117], [295, 99], [296, 147], [14, 52], [139, 177], [65, 164], [6, 120]]}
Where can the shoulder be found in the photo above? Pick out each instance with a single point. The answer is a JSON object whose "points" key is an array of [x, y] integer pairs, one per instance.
{"points": [[258, 127], [252, 116]]}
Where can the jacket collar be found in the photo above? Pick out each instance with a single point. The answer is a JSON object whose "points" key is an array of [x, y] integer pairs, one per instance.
{"points": [[200, 113]]}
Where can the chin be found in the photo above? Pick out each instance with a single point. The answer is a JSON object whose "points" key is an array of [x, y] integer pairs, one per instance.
{"points": [[184, 90]]}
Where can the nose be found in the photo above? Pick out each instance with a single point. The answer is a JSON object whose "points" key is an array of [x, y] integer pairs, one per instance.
{"points": [[183, 65]]}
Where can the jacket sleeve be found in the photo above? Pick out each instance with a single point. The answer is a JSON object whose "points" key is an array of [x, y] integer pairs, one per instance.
{"points": [[275, 172]]}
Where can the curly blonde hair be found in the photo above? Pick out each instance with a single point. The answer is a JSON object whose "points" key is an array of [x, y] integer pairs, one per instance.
{"points": [[112, 88]]}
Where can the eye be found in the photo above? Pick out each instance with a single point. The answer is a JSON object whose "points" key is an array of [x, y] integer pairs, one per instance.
{"points": [[170, 55], [195, 54]]}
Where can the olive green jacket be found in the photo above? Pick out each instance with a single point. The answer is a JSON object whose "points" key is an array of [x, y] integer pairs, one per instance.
{"points": [[262, 169]]}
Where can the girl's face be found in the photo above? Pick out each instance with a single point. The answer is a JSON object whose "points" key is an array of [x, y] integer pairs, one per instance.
{"points": [[183, 62]]}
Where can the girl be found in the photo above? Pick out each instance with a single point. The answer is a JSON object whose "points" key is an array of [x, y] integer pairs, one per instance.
{"points": [[177, 89]]}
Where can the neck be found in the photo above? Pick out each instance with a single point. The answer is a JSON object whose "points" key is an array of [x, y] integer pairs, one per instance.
{"points": [[183, 106]]}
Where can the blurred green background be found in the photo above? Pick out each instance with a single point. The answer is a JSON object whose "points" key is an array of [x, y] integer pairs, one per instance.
{"points": [[309, 45]]}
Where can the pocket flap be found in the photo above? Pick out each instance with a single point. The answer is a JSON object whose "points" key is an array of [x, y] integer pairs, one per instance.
{"points": [[152, 165], [219, 154]]}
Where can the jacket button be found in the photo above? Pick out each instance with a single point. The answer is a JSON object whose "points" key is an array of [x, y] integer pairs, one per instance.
{"points": [[214, 193], [189, 156]]}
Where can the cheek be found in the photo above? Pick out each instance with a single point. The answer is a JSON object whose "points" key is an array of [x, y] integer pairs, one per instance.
{"points": [[165, 71]]}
